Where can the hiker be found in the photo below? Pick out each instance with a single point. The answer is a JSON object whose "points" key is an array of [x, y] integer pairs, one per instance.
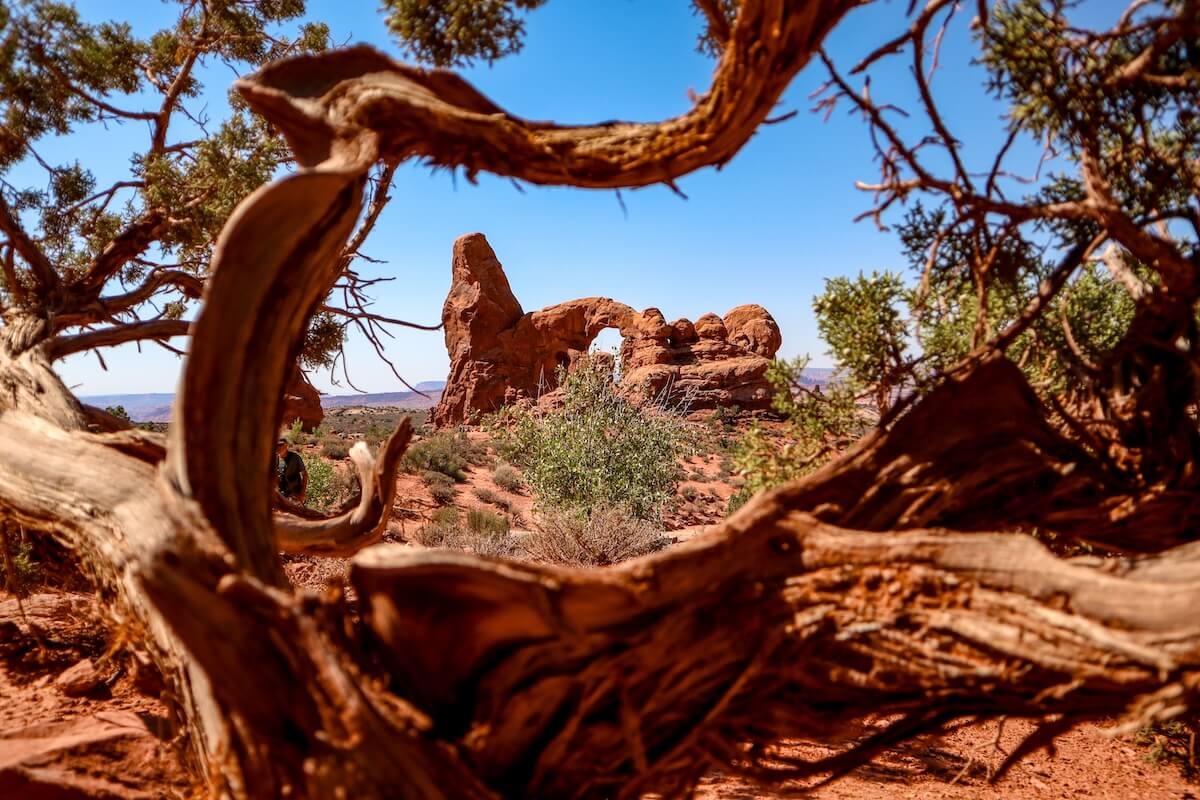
{"points": [[293, 477]]}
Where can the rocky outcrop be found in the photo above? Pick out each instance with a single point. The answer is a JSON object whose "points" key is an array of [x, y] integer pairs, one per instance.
{"points": [[500, 354], [301, 401]]}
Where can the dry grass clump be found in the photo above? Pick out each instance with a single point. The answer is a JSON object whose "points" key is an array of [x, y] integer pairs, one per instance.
{"points": [[335, 448], [608, 535], [441, 486], [481, 532], [486, 495], [314, 572], [507, 478]]}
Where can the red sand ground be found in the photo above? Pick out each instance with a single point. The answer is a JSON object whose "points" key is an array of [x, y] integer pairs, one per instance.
{"points": [[115, 741]]}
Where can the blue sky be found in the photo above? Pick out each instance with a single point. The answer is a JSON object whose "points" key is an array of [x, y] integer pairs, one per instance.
{"points": [[768, 228]]}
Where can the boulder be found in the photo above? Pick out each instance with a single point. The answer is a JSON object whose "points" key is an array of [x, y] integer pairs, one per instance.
{"points": [[710, 326], [752, 328], [79, 679]]}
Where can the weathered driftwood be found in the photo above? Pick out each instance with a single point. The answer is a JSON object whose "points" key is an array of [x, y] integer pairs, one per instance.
{"points": [[473, 678]]}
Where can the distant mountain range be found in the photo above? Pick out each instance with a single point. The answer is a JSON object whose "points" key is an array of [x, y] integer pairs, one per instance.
{"points": [[817, 376], [156, 407]]}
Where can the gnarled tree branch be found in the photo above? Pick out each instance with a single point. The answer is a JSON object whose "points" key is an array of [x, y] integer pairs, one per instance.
{"points": [[351, 531]]}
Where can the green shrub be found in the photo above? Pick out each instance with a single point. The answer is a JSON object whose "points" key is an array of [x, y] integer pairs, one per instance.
{"points": [[26, 571], [598, 448], [608, 535], [819, 424], [737, 500], [119, 412], [335, 448], [507, 478], [296, 434], [441, 486], [443, 452], [724, 417], [328, 487], [375, 434], [447, 515]]}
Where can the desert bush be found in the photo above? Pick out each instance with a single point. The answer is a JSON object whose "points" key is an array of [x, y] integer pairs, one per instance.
{"points": [[441, 486], [486, 522], [25, 570], [375, 434], [608, 535], [296, 434], [436, 532], [485, 494], [689, 493], [335, 448], [482, 533], [119, 412], [328, 487], [725, 417], [444, 452], [598, 448], [818, 424], [507, 478]]}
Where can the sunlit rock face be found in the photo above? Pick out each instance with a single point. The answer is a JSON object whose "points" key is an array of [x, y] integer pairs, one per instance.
{"points": [[500, 354]]}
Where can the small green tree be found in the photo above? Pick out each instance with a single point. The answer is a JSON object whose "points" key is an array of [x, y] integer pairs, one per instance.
{"points": [[819, 422], [119, 412], [599, 447], [874, 323], [862, 321]]}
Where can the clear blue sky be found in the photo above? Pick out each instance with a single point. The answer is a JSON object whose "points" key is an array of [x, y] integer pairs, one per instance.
{"points": [[768, 228]]}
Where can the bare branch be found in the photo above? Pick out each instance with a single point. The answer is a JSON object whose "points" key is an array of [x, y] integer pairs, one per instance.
{"points": [[43, 271], [63, 346], [11, 281], [125, 246], [107, 308], [718, 25], [438, 116], [1114, 259]]}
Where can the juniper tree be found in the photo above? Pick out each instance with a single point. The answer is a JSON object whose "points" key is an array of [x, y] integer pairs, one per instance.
{"points": [[889, 594], [95, 256]]}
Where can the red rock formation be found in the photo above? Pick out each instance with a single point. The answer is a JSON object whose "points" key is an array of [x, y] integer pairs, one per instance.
{"points": [[302, 402], [500, 354]]}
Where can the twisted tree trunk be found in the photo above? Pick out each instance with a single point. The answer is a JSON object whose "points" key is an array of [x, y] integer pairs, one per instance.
{"points": [[474, 678]]}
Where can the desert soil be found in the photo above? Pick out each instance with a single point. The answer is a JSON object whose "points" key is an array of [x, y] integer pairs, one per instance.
{"points": [[115, 739]]}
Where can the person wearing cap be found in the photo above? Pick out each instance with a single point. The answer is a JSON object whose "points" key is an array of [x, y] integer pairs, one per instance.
{"points": [[292, 475]]}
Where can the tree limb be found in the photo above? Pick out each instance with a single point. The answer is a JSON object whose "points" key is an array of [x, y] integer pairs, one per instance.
{"points": [[363, 525], [43, 271], [436, 115], [62, 346], [125, 246]]}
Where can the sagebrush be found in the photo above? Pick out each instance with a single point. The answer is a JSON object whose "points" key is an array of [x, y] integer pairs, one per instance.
{"points": [[598, 448]]}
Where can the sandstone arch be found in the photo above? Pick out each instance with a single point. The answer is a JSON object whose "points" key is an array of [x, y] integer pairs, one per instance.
{"points": [[499, 353]]}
